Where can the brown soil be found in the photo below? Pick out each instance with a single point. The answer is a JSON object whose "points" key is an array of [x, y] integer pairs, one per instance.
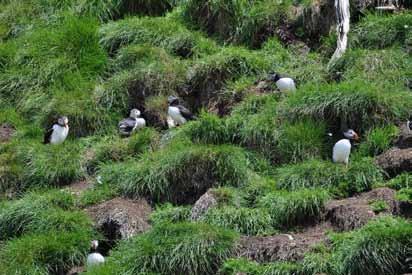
{"points": [[283, 247], [79, 187], [121, 218], [6, 132], [395, 161], [354, 212]]}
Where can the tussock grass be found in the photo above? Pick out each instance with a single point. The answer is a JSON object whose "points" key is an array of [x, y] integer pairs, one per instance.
{"points": [[167, 213], [188, 248], [97, 194], [289, 209], [403, 180], [359, 177], [380, 247], [47, 166], [180, 172], [377, 31], [243, 220], [404, 195], [161, 32], [359, 104], [378, 140], [45, 253]]}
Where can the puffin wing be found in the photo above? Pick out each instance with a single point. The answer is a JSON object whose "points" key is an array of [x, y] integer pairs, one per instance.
{"points": [[186, 113], [47, 135], [127, 125]]}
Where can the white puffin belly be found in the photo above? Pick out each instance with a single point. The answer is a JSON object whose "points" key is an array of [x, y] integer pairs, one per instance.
{"points": [[94, 259], [174, 113], [286, 84], [59, 134], [140, 123], [341, 151]]}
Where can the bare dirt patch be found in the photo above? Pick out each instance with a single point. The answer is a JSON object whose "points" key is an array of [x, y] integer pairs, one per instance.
{"points": [[354, 212], [79, 187], [283, 247], [6, 132]]}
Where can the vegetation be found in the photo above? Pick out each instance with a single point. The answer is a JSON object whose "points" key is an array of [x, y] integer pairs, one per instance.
{"points": [[262, 156]]}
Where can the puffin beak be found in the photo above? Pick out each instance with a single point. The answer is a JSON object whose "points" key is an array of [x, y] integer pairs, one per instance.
{"points": [[356, 137]]}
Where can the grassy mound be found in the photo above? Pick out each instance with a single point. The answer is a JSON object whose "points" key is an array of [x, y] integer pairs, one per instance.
{"points": [[167, 213], [171, 249], [359, 177], [376, 31], [179, 173], [243, 266], [358, 104], [378, 248], [378, 140], [289, 209]]}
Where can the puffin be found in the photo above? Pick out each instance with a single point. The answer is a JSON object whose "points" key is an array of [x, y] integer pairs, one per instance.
{"points": [[94, 257], [284, 84], [128, 125], [341, 150], [178, 113], [58, 132], [409, 124]]}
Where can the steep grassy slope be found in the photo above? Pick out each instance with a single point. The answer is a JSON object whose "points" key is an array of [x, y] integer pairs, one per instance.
{"points": [[265, 157]]}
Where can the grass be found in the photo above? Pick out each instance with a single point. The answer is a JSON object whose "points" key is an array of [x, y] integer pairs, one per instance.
{"points": [[246, 221], [355, 103], [243, 266], [188, 248], [179, 172], [167, 213], [379, 206], [288, 209], [404, 195], [378, 248], [378, 140], [97, 194], [376, 31], [359, 177], [403, 180]]}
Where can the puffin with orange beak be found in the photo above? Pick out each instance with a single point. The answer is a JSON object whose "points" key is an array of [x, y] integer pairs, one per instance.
{"points": [[342, 148], [58, 132]]}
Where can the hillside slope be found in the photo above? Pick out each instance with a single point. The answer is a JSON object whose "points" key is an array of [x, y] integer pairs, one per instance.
{"points": [[249, 187]]}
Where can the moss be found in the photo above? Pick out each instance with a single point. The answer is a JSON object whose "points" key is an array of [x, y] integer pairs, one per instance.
{"points": [[289, 209], [179, 173], [175, 248]]}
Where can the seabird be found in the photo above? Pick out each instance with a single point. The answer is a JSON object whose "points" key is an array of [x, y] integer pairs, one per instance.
{"points": [[284, 84], [409, 124], [94, 258], [128, 125], [341, 150], [58, 133], [178, 113]]}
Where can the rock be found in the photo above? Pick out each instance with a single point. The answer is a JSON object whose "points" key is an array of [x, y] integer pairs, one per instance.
{"points": [[395, 161], [76, 270], [121, 218], [404, 139], [354, 212], [203, 204], [6, 132], [282, 247]]}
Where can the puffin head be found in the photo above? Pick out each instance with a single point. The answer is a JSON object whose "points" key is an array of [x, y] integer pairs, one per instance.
{"points": [[351, 134], [134, 113], [94, 244], [172, 100], [63, 121], [273, 76]]}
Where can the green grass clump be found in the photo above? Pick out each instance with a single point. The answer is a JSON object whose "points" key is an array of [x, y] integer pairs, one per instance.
{"points": [[188, 248], [380, 247], [372, 65], [404, 195], [359, 177], [377, 31], [318, 261], [246, 221], [301, 141], [114, 9], [162, 32], [240, 266], [289, 209], [50, 165], [378, 140], [180, 172], [51, 252], [403, 180], [357, 103], [167, 213], [97, 194], [379, 206]]}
